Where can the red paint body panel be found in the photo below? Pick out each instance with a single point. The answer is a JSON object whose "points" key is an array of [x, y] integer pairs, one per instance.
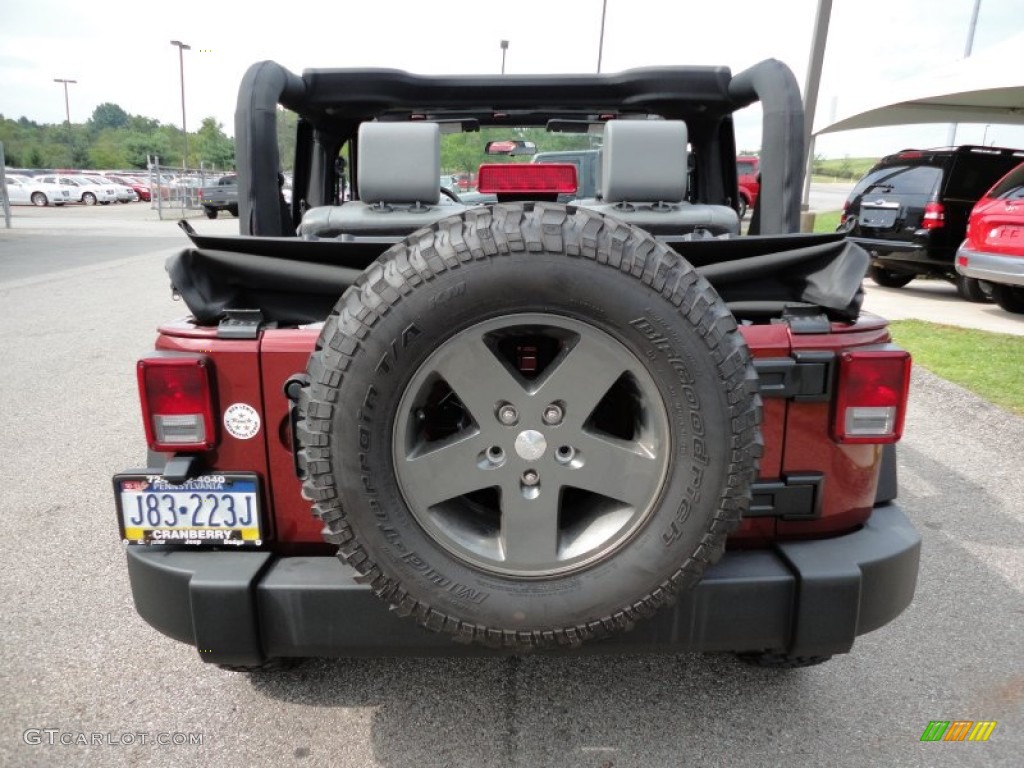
{"points": [[795, 434], [236, 379], [851, 471], [285, 353], [997, 226]]}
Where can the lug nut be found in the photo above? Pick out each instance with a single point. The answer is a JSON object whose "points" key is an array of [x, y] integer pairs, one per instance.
{"points": [[508, 415], [553, 414], [530, 477], [565, 454]]}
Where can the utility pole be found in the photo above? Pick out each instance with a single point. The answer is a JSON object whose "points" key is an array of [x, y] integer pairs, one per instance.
{"points": [[504, 48], [67, 107], [600, 41], [181, 63]]}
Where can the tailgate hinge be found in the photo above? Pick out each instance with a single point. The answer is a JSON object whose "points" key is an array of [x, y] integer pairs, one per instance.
{"points": [[806, 320], [804, 377], [240, 324], [795, 497]]}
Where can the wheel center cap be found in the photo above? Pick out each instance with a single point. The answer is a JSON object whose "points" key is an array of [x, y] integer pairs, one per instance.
{"points": [[530, 445]]}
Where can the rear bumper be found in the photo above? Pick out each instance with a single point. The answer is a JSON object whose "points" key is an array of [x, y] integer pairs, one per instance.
{"points": [[899, 247], [803, 598], [912, 256], [993, 267]]}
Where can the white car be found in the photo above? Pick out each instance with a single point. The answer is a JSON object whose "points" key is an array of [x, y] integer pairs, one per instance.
{"points": [[25, 190], [84, 190], [124, 194]]}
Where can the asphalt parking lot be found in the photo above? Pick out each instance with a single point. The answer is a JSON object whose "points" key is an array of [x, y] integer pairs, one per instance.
{"points": [[81, 292]]}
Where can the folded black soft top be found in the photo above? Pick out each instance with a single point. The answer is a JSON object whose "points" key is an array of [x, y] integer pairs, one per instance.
{"points": [[294, 281]]}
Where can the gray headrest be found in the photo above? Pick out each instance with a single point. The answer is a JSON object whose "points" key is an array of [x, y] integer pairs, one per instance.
{"points": [[399, 163], [644, 161]]}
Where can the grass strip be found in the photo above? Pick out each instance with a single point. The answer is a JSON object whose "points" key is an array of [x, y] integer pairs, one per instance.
{"points": [[989, 364]]}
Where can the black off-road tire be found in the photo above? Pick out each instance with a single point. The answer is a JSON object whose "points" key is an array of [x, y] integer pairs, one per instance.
{"points": [[742, 206], [971, 289], [211, 213], [1009, 297], [887, 278], [494, 265], [233, 210], [781, 660]]}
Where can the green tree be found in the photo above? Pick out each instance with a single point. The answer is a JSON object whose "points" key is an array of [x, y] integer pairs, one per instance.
{"points": [[108, 151], [108, 115], [212, 147], [287, 124]]}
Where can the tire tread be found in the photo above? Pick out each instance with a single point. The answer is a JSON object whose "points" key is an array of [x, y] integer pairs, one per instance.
{"points": [[480, 235]]}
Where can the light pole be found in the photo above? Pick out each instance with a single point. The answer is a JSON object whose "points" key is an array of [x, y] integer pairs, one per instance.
{"points": [[984, 135], [181, 63], [968, 47], [67, 108], [600, 41], [504, 48]]}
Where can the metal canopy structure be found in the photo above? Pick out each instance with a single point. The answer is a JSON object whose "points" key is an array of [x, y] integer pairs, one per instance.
{"points": [[985, 88]]}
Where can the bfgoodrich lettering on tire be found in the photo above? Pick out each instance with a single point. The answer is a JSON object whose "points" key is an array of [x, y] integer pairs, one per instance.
{"points": [[529, 425]]}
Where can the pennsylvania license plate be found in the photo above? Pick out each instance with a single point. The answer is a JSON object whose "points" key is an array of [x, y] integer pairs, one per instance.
{"points": [[208, 510]]}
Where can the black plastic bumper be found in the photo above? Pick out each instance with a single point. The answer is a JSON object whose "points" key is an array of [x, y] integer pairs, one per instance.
{"points": [[802, 598]]}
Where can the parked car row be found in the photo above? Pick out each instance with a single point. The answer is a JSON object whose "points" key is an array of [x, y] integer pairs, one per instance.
{"points": [[955, 213], [88, 188], [30, 187]]}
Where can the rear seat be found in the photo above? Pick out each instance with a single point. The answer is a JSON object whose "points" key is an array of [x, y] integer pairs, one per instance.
{"points": [[643, 181], [397, 174]]}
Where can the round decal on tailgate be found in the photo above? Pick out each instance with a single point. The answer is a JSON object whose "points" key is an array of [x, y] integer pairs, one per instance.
{"points": [[242, 421]]}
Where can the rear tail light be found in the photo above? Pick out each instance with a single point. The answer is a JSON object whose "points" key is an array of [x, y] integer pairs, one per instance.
{"points": [[177, 403], [934, 216], [871, 397], [527, 178]]}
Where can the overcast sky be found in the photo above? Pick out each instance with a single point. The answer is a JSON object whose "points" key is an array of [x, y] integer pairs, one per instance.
{"points": [[119, 50]]}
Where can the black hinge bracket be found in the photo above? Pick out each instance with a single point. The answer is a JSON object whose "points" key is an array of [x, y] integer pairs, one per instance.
{"points": [[806, 320], [240, 324], [795, 497], [180, 467], [804, 377], [292, 391]]}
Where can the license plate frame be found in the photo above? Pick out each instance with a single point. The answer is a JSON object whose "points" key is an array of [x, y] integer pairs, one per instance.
{"points": [[878, 218], [197, 522]]}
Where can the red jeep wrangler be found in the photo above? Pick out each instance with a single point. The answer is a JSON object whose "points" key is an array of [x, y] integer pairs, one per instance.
{"points": [[404, 424]]}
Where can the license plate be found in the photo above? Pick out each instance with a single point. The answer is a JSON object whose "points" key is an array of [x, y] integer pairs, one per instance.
{"points": [[1007, 234], [877, 218], [208, 510]]}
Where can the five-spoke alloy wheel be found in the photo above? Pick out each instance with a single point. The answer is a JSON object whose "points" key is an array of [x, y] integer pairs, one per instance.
{"points": [[530, 445]]}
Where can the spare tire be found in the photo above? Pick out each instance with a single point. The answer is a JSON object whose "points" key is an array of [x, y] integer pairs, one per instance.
{"points": [[529, 425]]}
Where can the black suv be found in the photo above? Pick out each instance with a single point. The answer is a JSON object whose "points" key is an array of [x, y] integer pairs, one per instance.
{"points": [[911, 209]]}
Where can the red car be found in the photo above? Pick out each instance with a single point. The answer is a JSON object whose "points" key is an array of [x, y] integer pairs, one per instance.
{"points": [[994, 248], [140, 187], [747, 172]]}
